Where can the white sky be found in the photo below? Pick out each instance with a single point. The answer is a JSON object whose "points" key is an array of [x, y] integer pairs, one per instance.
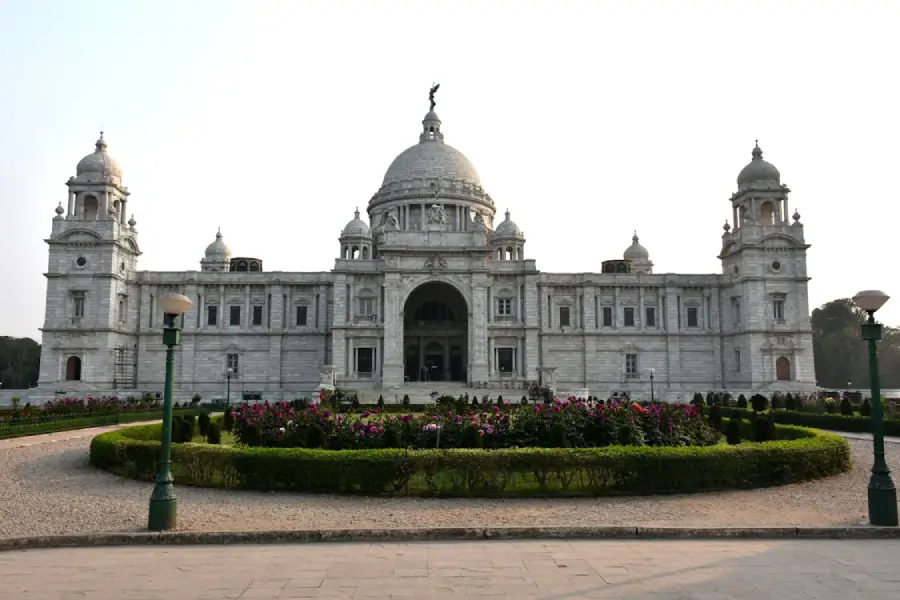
{"points": [[274, 120]]}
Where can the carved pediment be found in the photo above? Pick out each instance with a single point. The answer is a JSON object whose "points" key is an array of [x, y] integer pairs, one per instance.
{"points": [[630, 349], [81, 236]]}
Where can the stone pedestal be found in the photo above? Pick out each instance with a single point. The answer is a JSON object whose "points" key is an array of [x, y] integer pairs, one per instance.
{"points": [[326, 378]]}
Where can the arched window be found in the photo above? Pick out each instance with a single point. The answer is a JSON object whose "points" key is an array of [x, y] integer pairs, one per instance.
{"points": [[73, 369], [354, 253], [767, 214], [365, 253], [783, 369]]}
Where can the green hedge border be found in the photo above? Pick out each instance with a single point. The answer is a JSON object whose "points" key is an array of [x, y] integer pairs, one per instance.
{"points": [[71, 423], [834, 422], [801, 455]]}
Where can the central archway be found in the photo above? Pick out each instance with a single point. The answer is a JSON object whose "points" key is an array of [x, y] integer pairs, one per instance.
{"points": [[435, 334]]}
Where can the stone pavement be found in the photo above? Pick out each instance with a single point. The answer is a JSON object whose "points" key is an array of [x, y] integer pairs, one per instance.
{"points": [[61, 436], [487, 570]]}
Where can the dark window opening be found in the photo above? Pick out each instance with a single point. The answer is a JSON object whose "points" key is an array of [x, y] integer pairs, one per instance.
{"points": [[234, 315], [257, 315], [692, 317], [650, 316], [301, 316], [212, 315], [629, 316], [607, 316], [563, 316]]}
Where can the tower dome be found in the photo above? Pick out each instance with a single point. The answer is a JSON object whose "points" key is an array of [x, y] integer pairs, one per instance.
{"points": [[431, 158], [635, 252], [218, 249], [507, 227], [758, 170], [356, 227], [99, 164]]}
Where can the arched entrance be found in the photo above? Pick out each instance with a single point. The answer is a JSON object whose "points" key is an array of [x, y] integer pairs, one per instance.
{"points": [[435, 334], [783, 369], [73, 369]]}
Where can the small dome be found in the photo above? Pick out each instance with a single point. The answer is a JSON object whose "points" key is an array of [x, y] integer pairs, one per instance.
{"points": [[218, 249], [507, 227], [758, 170], [99, 164], [635, 252], [357, 226]]}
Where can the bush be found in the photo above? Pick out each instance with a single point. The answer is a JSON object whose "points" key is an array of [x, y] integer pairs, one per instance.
{"points": [[789, 402], [715, 417], [203, 423], [176, 430], [759, 402], [471, 437], [710, 399], [185, 431], [733, 432], [523, 401], [315, 437], [697, 399], [831, 407], [228, 420], [764, 426], [406, 401], [777, 401], [800, 455], [846, 407], [865, 409], [380, 402], [195, 399], [742, 401], [213, 434]]}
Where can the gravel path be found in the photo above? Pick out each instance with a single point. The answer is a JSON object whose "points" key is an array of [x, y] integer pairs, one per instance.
{"points": [[47, 487]]}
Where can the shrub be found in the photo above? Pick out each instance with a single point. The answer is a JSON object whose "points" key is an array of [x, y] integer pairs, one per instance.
{"points": [[831, 406], [380, 402], [474, 400], [213, 434], [203, 423], [406, 401], [195, 399], [176, 430], [186, 430], [733, 432], [764, 426], [471, 437], [710, 399], [715, 417], [800, 455], [742, 401], [228, 420], [558, 437], [697, 399], [315, 437], [727, 399], [777, 401], [391, 439], [523, 401], [865, 409], [759, 402], [846, 407]]}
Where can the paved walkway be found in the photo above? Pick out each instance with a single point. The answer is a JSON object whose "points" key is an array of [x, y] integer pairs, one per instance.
{"points": [[867, 437], [558, 570], [61, 436]]}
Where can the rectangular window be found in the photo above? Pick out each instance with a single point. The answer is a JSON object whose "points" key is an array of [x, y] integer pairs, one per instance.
{"points": [[301, 316], [631, 366], [231, 362], [628, 315], [736, 311], [607, 316], [778, 310], [504, 307], [234, 316], [506, 360], [365, 360], [78, 304], [367, 307], [692, 318], [563, 316], [212, 315], [650, 316], [257, 315], [737, 359]]}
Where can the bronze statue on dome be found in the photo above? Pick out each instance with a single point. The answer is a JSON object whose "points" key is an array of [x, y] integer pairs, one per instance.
{"points": [[434, 89]]}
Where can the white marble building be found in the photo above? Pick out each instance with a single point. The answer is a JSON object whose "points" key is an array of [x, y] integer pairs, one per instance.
{"points": [[433, 292]]}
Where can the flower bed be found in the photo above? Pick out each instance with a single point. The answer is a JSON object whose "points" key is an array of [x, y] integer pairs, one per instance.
{"points": [[570, 423], [799, 455]]}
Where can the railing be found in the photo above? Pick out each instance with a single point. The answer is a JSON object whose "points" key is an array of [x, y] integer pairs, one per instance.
{"points": [[632, 375], [505, 318], [365, 318]]}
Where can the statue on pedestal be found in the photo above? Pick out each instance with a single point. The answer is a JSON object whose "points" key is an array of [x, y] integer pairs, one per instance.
{"points": [[436, 215]]}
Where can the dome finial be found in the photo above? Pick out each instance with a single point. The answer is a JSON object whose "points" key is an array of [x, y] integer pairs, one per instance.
{"points": [[434, 88], [356, 213], [101, 143], [757, 151], [634, 238], [218, 233], [507, 214]]}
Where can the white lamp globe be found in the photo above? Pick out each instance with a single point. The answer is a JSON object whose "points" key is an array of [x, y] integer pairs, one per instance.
{"points": [[175, 304], [870, 300]]}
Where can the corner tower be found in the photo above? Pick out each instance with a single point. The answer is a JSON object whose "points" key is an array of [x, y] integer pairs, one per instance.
{"points": [[91, 304], [766, 325]]}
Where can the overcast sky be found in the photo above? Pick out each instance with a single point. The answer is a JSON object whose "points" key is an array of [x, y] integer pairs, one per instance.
{"points": [[587, 120]]}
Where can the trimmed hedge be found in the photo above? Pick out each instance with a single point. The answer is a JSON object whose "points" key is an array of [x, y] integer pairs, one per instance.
{"points": [[834, 422], [800, 455], [37, 426]]}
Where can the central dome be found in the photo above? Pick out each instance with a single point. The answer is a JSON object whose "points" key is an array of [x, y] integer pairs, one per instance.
{"points": [[431, 158]]}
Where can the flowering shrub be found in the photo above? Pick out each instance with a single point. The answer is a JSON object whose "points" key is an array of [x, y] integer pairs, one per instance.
{"points": [[570, 423]]}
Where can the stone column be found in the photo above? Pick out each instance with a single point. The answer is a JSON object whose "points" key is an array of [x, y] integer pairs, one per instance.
{"points": [[247, 318], [393, 332], [222, 312], [446, 359], [71, 210], [478, 338], [422, 217], [421, 357]]}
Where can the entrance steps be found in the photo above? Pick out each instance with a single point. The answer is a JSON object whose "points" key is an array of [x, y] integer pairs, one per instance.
{"points": [[421, 392]]}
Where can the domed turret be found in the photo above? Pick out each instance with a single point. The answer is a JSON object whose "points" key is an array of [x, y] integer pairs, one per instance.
{"points": [[758, 170], [217, 256], [99, 165], [356, 240], [508, 240], [638, 256]]}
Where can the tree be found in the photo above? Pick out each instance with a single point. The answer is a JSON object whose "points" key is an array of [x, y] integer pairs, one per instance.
{"points": [[20, 363], [841, 356]]}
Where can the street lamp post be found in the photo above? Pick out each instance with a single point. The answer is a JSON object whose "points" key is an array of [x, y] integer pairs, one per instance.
{"points": [[163, 504], [228, 373], [652, 373], [882, 493]]}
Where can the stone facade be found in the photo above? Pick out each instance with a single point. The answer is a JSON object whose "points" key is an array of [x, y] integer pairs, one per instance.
{"points": [[429, 294]]}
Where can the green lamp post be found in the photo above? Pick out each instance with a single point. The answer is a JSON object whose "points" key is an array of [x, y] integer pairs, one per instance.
{"points": [[882, 493], [163, 504], [652, 374]]}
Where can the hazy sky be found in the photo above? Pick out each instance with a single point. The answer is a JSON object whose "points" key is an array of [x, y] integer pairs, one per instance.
{"points": [[274, 120]]}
